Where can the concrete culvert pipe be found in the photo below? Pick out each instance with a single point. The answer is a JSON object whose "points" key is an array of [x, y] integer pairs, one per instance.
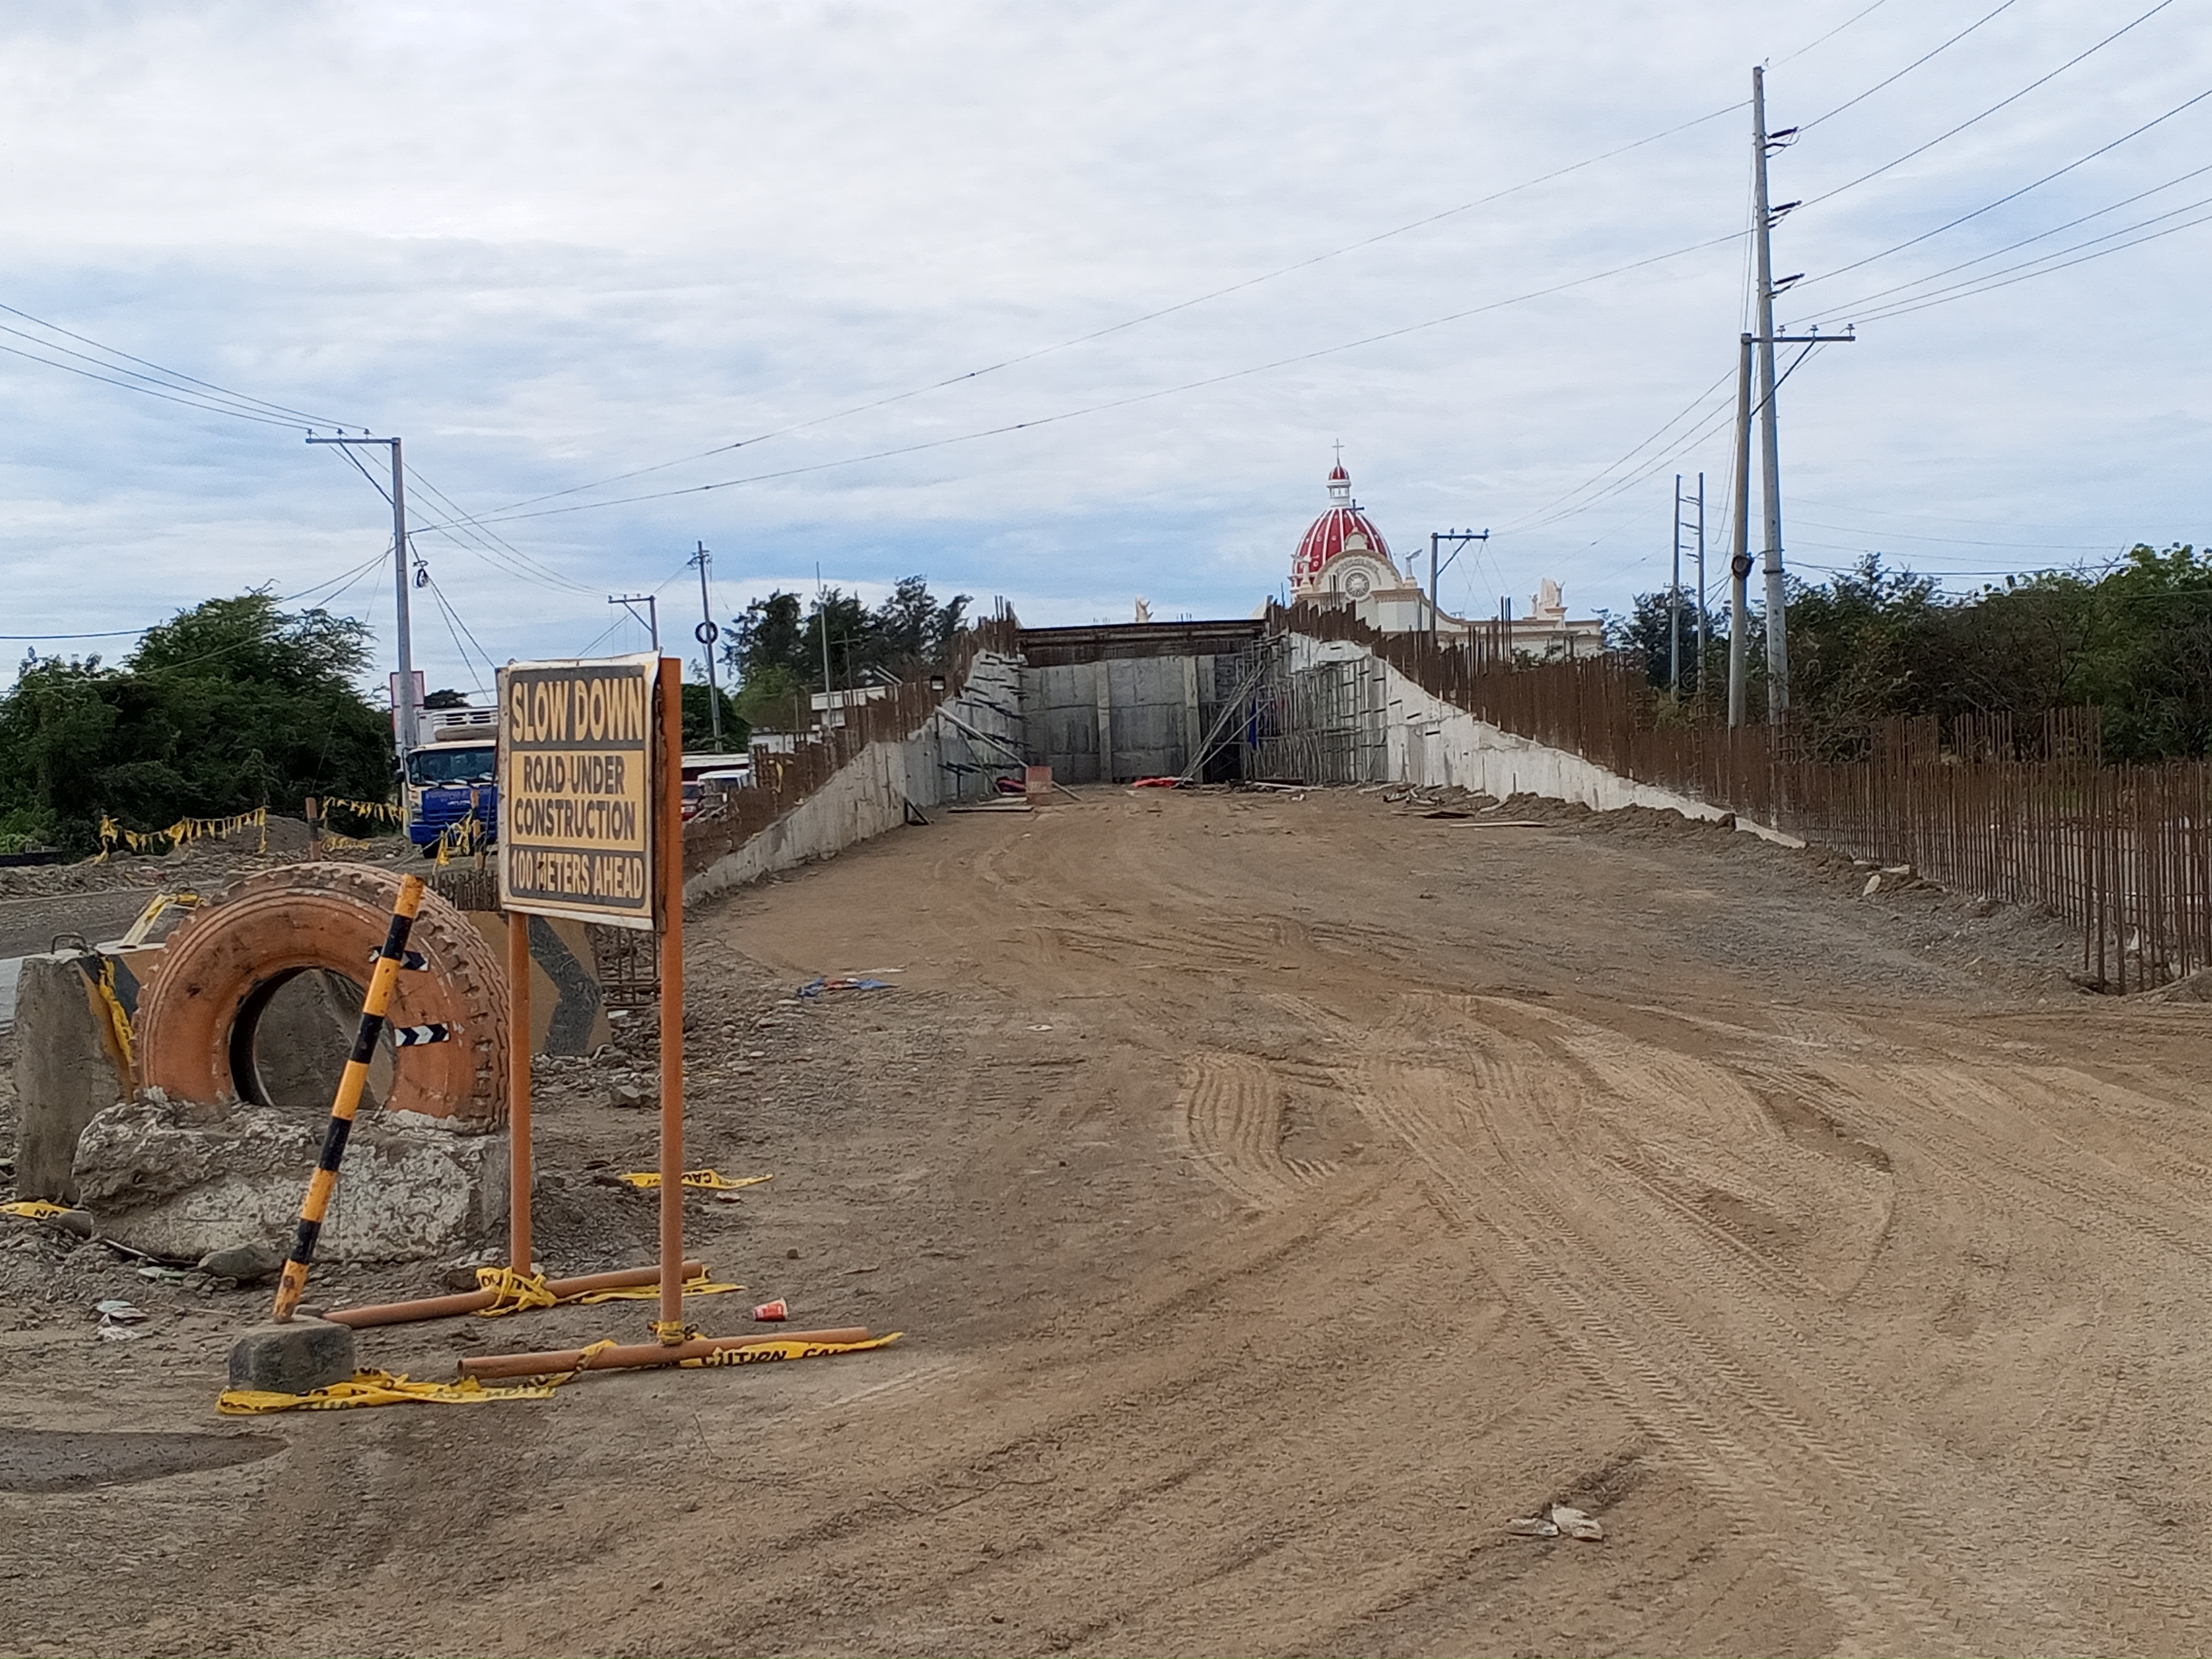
{"points": [[258, 996]]}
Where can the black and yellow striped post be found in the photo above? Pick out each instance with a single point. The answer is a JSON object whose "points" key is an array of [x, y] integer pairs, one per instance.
{"points": [[294, 1285]]}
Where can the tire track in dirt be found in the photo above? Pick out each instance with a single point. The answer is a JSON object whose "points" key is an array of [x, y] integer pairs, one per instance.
{"points": [[1707, 1406], [1229, 1121], [1969, 1129]]}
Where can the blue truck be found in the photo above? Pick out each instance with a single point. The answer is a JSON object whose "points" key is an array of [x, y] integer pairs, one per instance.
{"points": [[452, 782]]}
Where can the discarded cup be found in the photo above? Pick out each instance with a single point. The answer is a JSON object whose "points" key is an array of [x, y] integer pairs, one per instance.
{"points": [[772, 1310]]}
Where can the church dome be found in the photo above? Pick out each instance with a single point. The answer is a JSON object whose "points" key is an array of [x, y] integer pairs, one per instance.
{"points": [[1342, 529]]}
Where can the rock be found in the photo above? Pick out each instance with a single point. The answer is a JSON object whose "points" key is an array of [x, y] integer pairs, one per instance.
{"points": [[247, 1263], [1984, 908], [1903, 870], [1872, 886], [632, 1096], [177, 1179], [296, 1357], [1531, 1526], [1575, 1523]]}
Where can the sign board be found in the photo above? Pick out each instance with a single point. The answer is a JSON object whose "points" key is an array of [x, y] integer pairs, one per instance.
{"points": [[575, 789]]}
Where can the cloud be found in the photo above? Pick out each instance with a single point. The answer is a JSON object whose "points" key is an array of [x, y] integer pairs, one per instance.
{"points": [[550, 245]]}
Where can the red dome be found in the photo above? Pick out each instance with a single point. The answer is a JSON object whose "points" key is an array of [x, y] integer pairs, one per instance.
{"points": [[1344, 528]]}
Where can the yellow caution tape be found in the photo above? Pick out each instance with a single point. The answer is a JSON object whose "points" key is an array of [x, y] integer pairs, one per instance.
{"points": [[382, 811], [515, 1293], [700, 1286], [756, 1353], [674, 1333], [118, 1019], [712, 1181], [463, 836], [378, 1389], [183, 830], [34, 1209]]}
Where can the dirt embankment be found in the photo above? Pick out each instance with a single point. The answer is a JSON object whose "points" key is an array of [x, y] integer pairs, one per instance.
{"points": [[1280, 1196]]}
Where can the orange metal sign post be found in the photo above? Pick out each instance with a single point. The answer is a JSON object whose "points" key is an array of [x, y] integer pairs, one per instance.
{"points": [[518, 1091], [602, 837], [669, 1328]]}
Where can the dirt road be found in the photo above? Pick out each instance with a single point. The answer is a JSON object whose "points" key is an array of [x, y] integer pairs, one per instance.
{"points": [[1278, 1196]]}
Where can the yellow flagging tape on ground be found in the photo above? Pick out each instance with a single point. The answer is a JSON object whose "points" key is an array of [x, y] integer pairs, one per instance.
{"points": [[700, 1286], [758, 1352], [515, 1293], [711, 1180], [383, 1389], [33, 1209], [378, 1389]]}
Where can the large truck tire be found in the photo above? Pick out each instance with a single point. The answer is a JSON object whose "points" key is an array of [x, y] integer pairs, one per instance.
{"points": [[198, 1013]]}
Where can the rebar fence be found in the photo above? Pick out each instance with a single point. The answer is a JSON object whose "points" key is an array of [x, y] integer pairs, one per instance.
{"points": [[2121, 851]]}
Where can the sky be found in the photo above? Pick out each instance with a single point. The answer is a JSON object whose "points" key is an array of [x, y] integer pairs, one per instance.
{"points": [[1068, 304]]}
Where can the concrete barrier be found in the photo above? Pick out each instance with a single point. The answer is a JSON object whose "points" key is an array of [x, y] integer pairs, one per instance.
{"points": [[70, 1066], [1433, 745], [870, 794]]}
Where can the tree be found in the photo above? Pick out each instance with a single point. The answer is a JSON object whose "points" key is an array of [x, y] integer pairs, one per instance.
{"points": [[1645, 630], [1859, 651], [2134, 641], [776, 648], [913, 630], [699, 721], [228, 706]]}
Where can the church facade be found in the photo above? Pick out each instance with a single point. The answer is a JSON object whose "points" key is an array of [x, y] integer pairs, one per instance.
{"points": [[1343, 561]]}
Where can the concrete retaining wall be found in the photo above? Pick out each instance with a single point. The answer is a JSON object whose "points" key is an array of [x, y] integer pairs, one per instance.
{"points": [[955, 755], [1432, 744]]}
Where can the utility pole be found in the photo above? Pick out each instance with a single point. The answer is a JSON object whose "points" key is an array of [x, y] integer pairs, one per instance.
{"points": [[630, 602], [404, 716], [1459, 538], [1674, 602], [1763, 218], [1703, 641], [1740, 562], [706, 634], [821, 623]]}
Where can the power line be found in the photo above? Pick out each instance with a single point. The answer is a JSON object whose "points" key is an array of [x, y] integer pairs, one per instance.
{"points": [[348, 577], [1832, 33], [2002, 103], [171, 374], [1990, 281], [1127, 322], [1987, 207], [1808, 126], [1132, 399], [147, 391], [1688, 410]]}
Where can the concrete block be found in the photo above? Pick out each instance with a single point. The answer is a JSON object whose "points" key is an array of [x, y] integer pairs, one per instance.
{"points": [[68, 1067], [178, 1180], [294, 1358]]}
